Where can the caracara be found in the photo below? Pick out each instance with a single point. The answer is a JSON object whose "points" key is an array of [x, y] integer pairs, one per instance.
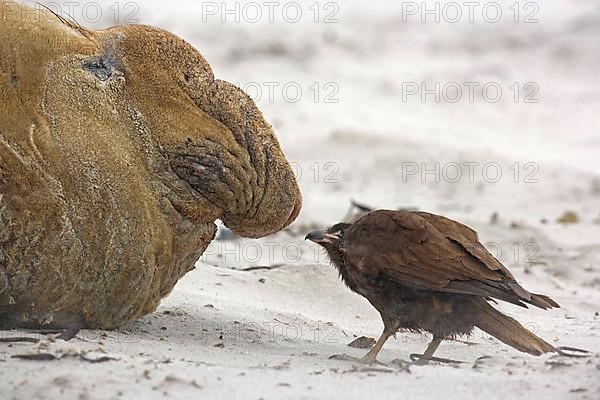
{"points": [[425, 272]]}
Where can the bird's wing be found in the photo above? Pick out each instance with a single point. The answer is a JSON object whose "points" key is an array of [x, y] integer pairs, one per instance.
{"points": [[429, 252], [447, 225]]}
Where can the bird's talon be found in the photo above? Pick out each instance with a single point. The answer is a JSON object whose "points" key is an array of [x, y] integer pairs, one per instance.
{"points": [[419, 359]]}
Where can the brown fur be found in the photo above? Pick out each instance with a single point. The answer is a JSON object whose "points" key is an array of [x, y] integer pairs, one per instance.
{"points": [[118, 150]]}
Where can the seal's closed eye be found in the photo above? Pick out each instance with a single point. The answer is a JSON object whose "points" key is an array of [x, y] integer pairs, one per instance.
{"points": [[99, 69], [104, 66]]}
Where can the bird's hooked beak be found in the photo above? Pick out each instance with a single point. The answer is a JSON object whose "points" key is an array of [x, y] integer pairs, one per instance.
{"points": [[321, 237]]}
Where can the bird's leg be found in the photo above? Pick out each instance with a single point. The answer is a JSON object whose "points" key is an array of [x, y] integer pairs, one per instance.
{"points": [[425, 357], [371, 356], [421, 359]]}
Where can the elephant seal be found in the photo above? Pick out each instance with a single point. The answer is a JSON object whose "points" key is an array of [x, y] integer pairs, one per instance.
{"points": [[118, 151]]}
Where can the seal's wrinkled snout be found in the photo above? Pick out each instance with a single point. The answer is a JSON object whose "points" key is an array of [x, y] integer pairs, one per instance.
{"points": [[144, 149]]}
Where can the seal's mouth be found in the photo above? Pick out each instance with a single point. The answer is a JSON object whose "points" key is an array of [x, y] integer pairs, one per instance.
{"points": [[250, 209], [255, 233], [291, 218]]}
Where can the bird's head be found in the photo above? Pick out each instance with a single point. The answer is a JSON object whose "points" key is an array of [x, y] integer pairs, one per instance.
{"points": [[330, 238]]}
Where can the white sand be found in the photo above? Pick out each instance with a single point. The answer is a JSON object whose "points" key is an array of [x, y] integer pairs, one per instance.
{"points": [[225, 333]]}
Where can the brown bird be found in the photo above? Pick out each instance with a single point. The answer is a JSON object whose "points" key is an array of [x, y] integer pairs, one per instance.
{"points": [[425, 272]]}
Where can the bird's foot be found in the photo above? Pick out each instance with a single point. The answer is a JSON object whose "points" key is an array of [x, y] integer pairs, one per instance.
{"points": [[419, 359], [369, 359], [566, 351]]}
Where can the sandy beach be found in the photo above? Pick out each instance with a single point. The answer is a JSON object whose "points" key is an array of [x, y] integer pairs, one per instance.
{"points": [[261, 319]]}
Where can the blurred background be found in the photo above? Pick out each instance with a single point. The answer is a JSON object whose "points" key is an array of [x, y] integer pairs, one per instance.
{"points": [[413, 74], [483, 111], [478, 110]]}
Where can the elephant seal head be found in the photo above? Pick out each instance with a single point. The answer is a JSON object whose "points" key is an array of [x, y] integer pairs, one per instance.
{"points": [[214, 149], [118, 151]]}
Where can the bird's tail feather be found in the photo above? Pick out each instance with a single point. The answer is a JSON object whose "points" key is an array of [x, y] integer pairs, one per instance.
{"points": [[508, 330], [538, 300], [542, 301]]}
